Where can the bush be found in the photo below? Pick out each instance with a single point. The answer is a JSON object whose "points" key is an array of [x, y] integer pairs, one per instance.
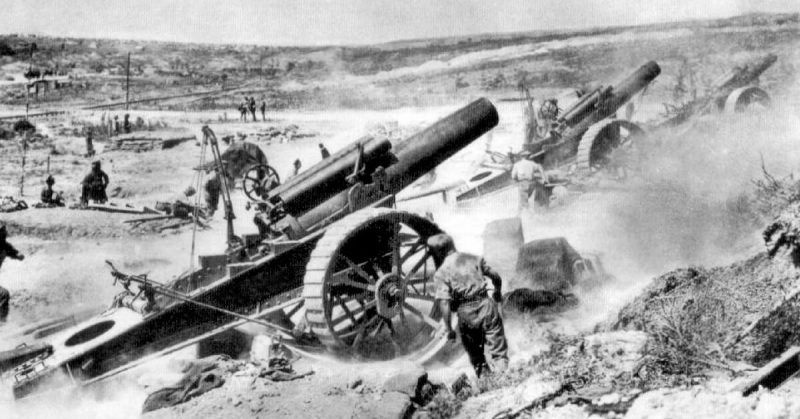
{"points": [[23, 125]]}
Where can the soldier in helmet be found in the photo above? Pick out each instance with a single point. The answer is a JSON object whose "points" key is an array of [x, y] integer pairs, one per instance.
{"points": [[461, 286], [6, 250], [94, 185]]}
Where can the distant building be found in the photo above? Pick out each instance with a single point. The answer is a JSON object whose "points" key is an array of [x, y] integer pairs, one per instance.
{"points": [[48, 83]]}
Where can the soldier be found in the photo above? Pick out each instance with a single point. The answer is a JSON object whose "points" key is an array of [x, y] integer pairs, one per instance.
{"points": [[530, 177], [6, 250], [253, 107], [264, 111], [547, 117], [242, 113], [89, 144], [126, 123], [94, 185], [116, 124], [461, 287], [49, 197], [213, 187], [295, 170], [324, 151]]}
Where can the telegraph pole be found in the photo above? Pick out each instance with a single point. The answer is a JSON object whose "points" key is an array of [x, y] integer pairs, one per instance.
{"points": [[27, 80], [128, 81]]}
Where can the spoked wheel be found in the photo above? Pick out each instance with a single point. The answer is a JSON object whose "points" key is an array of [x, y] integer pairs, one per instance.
{"points": [[259, 180], [369, 285], [747, 98], [607, 143]]}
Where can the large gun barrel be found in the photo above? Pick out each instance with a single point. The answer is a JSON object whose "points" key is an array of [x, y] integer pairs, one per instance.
{"points": [[742, 76], [604, 102], [420, 153], [330, 176]]}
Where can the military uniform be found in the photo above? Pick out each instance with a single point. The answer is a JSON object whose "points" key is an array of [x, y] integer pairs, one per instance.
{"points": [[213, 188], [530, 178], [460, 280], [94, 186]]}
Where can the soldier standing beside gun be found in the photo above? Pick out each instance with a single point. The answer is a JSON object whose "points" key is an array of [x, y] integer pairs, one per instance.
{"points": [[530, 177], [6, 250], [461, 287]]}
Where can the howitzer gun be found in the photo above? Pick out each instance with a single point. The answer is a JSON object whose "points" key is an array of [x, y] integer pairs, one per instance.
{"points": [[336, 261], [732, 92], [587, 131]]}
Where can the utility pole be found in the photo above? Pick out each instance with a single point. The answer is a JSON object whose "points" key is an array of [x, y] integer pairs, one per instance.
{"points": [[27, 88], [25, 138], [128, 81]]}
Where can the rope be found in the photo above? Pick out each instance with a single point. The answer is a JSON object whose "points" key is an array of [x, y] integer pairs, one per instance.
{"points": [[198, 181]]}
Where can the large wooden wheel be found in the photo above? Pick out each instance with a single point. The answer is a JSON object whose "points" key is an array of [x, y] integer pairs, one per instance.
{"points": [[258, 180], [604, 140], [369, 285], [747, 98]]}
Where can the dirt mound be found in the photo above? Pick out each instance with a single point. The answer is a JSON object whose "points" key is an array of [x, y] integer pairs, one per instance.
{"points": [[697, 315]]}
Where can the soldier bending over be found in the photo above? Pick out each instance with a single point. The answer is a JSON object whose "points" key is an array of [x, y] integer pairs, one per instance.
{"points": [[461, 287]]}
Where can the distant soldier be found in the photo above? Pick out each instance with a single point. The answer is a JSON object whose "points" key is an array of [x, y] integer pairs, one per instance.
{"points": [[242, 113], [295, 170], [49, 197], [460, 281], [126, 123], [89, 144], [116, 124], [94, 185], [324, 151], [264, 111], [252, 106], [6, 250]]}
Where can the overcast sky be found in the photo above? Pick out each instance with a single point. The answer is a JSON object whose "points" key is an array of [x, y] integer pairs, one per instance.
{"points": [[324, 22]]}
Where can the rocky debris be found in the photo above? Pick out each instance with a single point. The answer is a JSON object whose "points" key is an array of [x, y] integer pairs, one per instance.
{"points": [[356, 383], [150, 140], [409, 382], [9, 204], [623, 348], [393, 405], [695, 316], [454, 380], [703, 402], [282, 134], [503, 403], [390, 130]]}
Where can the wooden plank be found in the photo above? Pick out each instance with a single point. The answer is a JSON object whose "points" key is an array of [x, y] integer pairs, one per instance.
{"points": [[775, 373], [189, 342]]}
